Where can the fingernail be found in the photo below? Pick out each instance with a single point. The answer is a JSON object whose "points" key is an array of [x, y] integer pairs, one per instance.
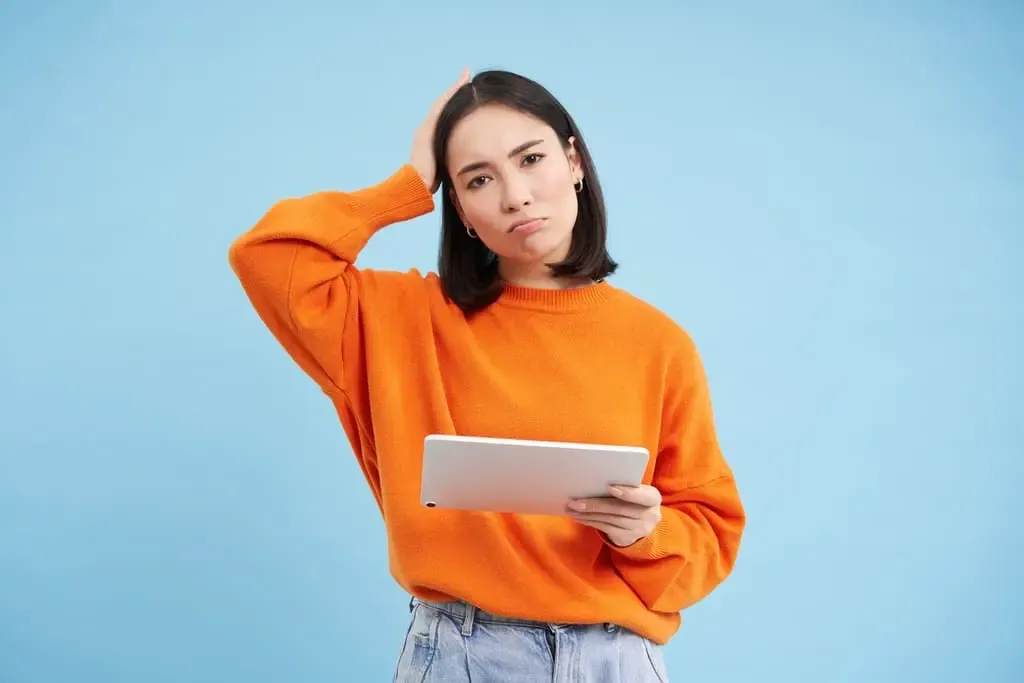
{"points": [[615, 490], [577, 505]]}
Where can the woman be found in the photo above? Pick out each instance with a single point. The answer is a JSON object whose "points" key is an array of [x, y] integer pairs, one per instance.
{"points": [[519, 335]]}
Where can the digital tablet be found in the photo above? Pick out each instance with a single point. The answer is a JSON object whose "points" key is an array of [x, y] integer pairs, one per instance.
{"points": [[526, 477]]}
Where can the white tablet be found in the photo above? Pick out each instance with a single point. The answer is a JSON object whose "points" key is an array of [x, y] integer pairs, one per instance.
{"points": [[526, 477]]}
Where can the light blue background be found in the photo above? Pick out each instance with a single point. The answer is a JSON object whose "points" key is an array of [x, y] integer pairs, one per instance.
{"points": [[829, 196]]}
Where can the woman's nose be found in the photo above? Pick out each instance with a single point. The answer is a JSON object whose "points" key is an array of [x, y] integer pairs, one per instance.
{"points": [[516, 194]]}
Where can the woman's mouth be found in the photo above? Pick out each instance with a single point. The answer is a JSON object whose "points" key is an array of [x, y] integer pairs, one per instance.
{"points": [[527, 227]]}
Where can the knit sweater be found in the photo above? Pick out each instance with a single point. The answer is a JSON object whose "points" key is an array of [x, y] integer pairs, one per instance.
{"points": [[594, 364]]}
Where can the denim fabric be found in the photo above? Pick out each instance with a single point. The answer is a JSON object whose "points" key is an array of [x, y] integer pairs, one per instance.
{"points": [[457, 643]]}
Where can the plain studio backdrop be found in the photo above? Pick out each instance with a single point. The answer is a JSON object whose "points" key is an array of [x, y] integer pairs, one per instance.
{"points": [[828, 196]]}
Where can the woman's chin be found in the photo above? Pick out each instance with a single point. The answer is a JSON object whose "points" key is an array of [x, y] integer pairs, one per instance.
{"points": [[540, 248]]}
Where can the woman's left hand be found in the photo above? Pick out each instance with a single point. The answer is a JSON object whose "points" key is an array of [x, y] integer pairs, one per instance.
{"points": [[628, 516]]}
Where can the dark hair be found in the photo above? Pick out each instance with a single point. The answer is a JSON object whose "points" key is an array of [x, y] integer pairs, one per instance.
{"points": [[467, 268]]}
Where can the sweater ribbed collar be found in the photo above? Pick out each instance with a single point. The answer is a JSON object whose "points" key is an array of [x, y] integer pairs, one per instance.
{"points": [[556, 300]]}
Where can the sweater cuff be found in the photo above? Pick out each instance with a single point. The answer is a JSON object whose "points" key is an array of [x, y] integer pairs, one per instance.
{"points": [[664, 541], [401, 197]]}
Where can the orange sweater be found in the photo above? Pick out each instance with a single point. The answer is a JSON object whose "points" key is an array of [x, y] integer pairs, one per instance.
{"points": [[583, 365]]}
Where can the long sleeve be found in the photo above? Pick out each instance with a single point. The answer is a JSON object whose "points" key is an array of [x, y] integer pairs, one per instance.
{"points": [[694, 547], [296, 265]]}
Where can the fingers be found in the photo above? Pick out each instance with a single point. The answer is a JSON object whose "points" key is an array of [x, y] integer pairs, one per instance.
{"points": [[632, 513], [464, 78], [610, 530], [605, 506], [644, 496], [628, 501], [604, 521]]}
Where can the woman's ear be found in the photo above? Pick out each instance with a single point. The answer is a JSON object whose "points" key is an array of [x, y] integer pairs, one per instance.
{"points": [[575, 166]]}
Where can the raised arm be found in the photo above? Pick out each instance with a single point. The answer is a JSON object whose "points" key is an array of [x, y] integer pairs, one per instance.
{"points": [[297, 264]]}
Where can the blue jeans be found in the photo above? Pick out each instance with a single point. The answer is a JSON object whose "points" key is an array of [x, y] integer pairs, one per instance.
{"points": [[457, 643]]}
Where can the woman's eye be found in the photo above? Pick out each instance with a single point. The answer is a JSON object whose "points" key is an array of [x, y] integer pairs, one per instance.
{"points": [[477, 182], [531, 159]]}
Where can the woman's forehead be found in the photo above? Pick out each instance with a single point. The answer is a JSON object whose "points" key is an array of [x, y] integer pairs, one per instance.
{"points": [[494, 131]]}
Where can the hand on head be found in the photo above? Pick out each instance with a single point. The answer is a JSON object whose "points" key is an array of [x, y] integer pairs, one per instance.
{"points": [[422, 155]]}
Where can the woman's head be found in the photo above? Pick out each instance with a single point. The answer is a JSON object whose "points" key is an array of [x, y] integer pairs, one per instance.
{"points": [[518, 188]]}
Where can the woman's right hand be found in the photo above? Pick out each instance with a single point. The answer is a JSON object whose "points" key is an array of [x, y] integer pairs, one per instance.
{"points": [[422, 156]]}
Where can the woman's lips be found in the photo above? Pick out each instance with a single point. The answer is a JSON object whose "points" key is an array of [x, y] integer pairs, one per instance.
{"points": [[527, 227]]}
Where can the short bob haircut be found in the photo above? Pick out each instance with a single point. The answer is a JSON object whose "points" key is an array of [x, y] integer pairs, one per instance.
{"points": [[467, 268]]}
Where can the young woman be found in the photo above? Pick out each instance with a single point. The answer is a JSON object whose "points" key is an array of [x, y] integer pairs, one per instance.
{"points": [[518, 335]]}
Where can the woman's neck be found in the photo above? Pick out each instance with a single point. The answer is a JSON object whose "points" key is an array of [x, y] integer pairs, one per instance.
{"points": [[537, 276]]}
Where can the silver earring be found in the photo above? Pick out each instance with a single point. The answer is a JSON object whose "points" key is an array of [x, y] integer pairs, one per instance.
{"points": [[579, 185], [471, 232]]}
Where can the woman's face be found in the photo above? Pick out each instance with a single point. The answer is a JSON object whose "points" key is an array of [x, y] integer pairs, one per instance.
{"points": [[513, 184]]}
